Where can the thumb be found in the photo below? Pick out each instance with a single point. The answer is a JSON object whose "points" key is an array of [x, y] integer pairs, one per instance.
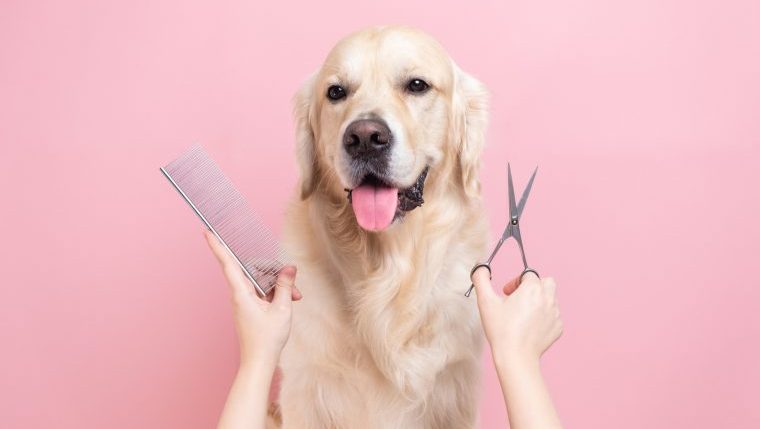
{"points": [[481, 279], [283, 290]]}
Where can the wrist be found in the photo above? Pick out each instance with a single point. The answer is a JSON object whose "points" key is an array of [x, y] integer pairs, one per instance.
{"points": [[514, 360], [259, 361], [257, 368]]}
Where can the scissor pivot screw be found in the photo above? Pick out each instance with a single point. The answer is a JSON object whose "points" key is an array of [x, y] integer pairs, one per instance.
{"points": [[514, 221]]}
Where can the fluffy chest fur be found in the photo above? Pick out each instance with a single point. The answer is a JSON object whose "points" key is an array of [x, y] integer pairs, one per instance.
{"points": [[384, 329]]}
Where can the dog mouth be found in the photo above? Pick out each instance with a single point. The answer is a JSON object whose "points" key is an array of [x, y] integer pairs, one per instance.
{"points": [[377, 203]]}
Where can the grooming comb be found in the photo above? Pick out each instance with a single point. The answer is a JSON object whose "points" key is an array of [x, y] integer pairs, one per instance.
{"points": [[227, 214]]}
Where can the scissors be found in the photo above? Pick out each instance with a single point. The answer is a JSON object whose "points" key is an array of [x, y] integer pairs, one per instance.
{"points": [[512, 229]]}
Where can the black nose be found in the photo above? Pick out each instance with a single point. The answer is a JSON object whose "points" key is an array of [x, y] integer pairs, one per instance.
{"points": [[367, 138]]}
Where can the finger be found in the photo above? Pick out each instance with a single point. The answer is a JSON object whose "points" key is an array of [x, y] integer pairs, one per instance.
{"points": [[283, 294], [529, 278], [297, 295], [237, 281], [482, 282], [220, 251], [512, 285], [550, 287], [216, 247]]}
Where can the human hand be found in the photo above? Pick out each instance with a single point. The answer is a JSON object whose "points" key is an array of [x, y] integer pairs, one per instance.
{"points": [[262, 324], [523, 324]]}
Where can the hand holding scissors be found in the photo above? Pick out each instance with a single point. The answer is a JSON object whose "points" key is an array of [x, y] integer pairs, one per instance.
{"points": [[512, 229]]}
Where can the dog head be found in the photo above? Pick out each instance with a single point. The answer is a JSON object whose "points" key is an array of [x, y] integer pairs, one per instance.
{"points": [[387, 107]]}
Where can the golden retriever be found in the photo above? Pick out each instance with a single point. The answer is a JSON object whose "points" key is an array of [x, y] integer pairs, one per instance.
{"points": [[384, 337]]}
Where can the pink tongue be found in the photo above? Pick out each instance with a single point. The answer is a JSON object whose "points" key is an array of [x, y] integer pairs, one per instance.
{"points": [[374, 206]]}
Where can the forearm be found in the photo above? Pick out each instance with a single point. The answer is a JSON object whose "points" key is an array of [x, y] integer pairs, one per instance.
{"points": [[529, 405], [246, 405]]}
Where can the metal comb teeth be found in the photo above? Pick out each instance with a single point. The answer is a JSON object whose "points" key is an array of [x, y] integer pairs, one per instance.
{"points": [[227, 214]]}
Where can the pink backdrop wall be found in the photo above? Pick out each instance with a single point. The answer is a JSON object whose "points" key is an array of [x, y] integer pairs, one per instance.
{"points": [[643, 117]]}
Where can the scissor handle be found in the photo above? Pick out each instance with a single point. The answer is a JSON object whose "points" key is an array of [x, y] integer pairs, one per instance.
{"points": [[528, 270], [472, 271], [488, 267]]}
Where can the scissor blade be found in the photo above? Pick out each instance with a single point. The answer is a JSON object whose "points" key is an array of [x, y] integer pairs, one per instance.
{"points": [[507, 231], [525, 194], [518, 238], [512, 204]]}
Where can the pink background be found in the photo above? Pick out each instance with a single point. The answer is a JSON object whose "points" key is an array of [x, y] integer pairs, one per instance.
{"points": [[643, 117]]}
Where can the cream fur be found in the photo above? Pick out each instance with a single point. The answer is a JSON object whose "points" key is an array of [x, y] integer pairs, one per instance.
{"points": [[384, 337]]}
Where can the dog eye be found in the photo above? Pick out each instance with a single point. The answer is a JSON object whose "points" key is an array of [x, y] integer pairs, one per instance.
{"points": [[336, 92], [417, 85]]}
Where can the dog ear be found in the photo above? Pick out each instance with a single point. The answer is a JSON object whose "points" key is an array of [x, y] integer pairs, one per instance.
{"points": [[470, 119], [303, 112]]}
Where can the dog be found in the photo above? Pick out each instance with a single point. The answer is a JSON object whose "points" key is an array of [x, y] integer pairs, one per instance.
{"points": [[384, 228]]}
